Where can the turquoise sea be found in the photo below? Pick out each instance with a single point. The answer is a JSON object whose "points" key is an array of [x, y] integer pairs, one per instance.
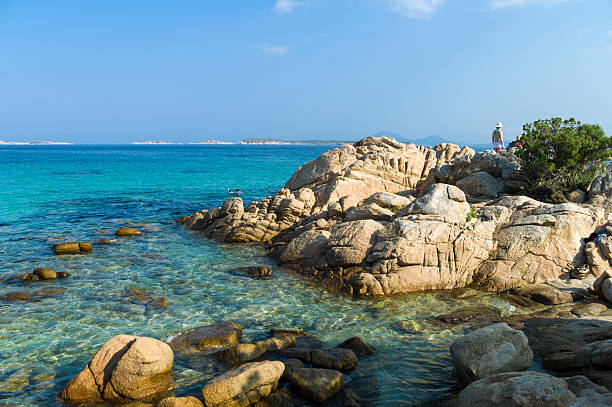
{"points": [[50, 194]]}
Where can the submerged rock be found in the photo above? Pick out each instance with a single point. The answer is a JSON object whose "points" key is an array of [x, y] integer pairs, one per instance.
{"points": [[207, 338], [494, 349], [243, 386], [125, 368], [256, 271], [358, 345], [523, 389]]}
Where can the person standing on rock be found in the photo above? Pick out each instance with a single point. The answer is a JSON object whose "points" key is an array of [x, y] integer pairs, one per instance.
{"points": [[498, 138]]}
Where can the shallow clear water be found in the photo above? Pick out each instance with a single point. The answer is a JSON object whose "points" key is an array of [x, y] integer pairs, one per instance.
{"points": [[84, 193]]}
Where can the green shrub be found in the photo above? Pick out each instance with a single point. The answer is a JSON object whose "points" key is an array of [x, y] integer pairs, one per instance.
{"points": [[471, 215], [559, 156]]}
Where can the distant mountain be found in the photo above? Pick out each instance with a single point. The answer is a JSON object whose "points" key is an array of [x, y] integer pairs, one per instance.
{"points": [[265, 141], [429, 141]]}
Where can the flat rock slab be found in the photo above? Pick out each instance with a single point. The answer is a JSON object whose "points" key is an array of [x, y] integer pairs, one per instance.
{"points": [[207, 338], [548, 295], [317, 384], [243, 386]]}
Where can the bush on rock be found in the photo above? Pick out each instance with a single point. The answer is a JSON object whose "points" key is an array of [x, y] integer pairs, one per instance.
{"points": [[560, 156]]}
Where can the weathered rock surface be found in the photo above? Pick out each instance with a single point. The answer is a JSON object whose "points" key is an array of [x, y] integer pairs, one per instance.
{"points": [[523, 389], [600, 190], [494, 349], [126, 368], [207, 338], [317, 384], [243, 386], [72, 248]]}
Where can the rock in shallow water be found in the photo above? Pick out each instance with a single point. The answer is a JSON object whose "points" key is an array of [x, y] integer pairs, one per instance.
{"points": [[207, 338], [72, 248], [125, 368], [357, 345], [317, 384], [124, 232], [524, 389], [45, 273], [494, 349], [256, 271], [243, 386]]}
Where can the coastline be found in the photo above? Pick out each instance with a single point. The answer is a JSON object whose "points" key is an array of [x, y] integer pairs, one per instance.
{"points": [[170, 279]]}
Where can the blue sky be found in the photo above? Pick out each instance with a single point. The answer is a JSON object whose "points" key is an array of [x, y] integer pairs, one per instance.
{"points": [[185, 71]]}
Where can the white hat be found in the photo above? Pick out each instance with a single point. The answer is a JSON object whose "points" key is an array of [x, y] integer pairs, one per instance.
{"points": [[499, 124]]}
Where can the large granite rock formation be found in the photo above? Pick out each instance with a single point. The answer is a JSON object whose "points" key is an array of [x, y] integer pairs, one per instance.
{"points": [[382, 217]]}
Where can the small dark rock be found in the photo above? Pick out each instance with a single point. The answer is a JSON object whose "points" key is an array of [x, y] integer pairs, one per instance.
{"points": [[357, 345], [317, 384]]}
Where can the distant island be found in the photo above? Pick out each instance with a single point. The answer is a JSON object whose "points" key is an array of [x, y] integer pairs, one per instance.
{"points": [[254, 141], [152, 143], [33, 143]]}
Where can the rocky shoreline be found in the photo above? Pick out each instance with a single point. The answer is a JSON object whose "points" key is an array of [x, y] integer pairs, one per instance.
{"points": [[381, 218]]}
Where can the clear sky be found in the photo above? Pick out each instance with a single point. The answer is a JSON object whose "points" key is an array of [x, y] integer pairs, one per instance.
{"points": [[106, 71]]}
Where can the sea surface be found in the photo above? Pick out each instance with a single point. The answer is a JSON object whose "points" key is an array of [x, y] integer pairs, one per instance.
{"points": [[50, 194]]}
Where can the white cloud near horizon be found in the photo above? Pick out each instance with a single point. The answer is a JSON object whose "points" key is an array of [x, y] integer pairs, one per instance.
{"points": [[498, 4], [287, 6], [415, 8], [274, 50]]}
